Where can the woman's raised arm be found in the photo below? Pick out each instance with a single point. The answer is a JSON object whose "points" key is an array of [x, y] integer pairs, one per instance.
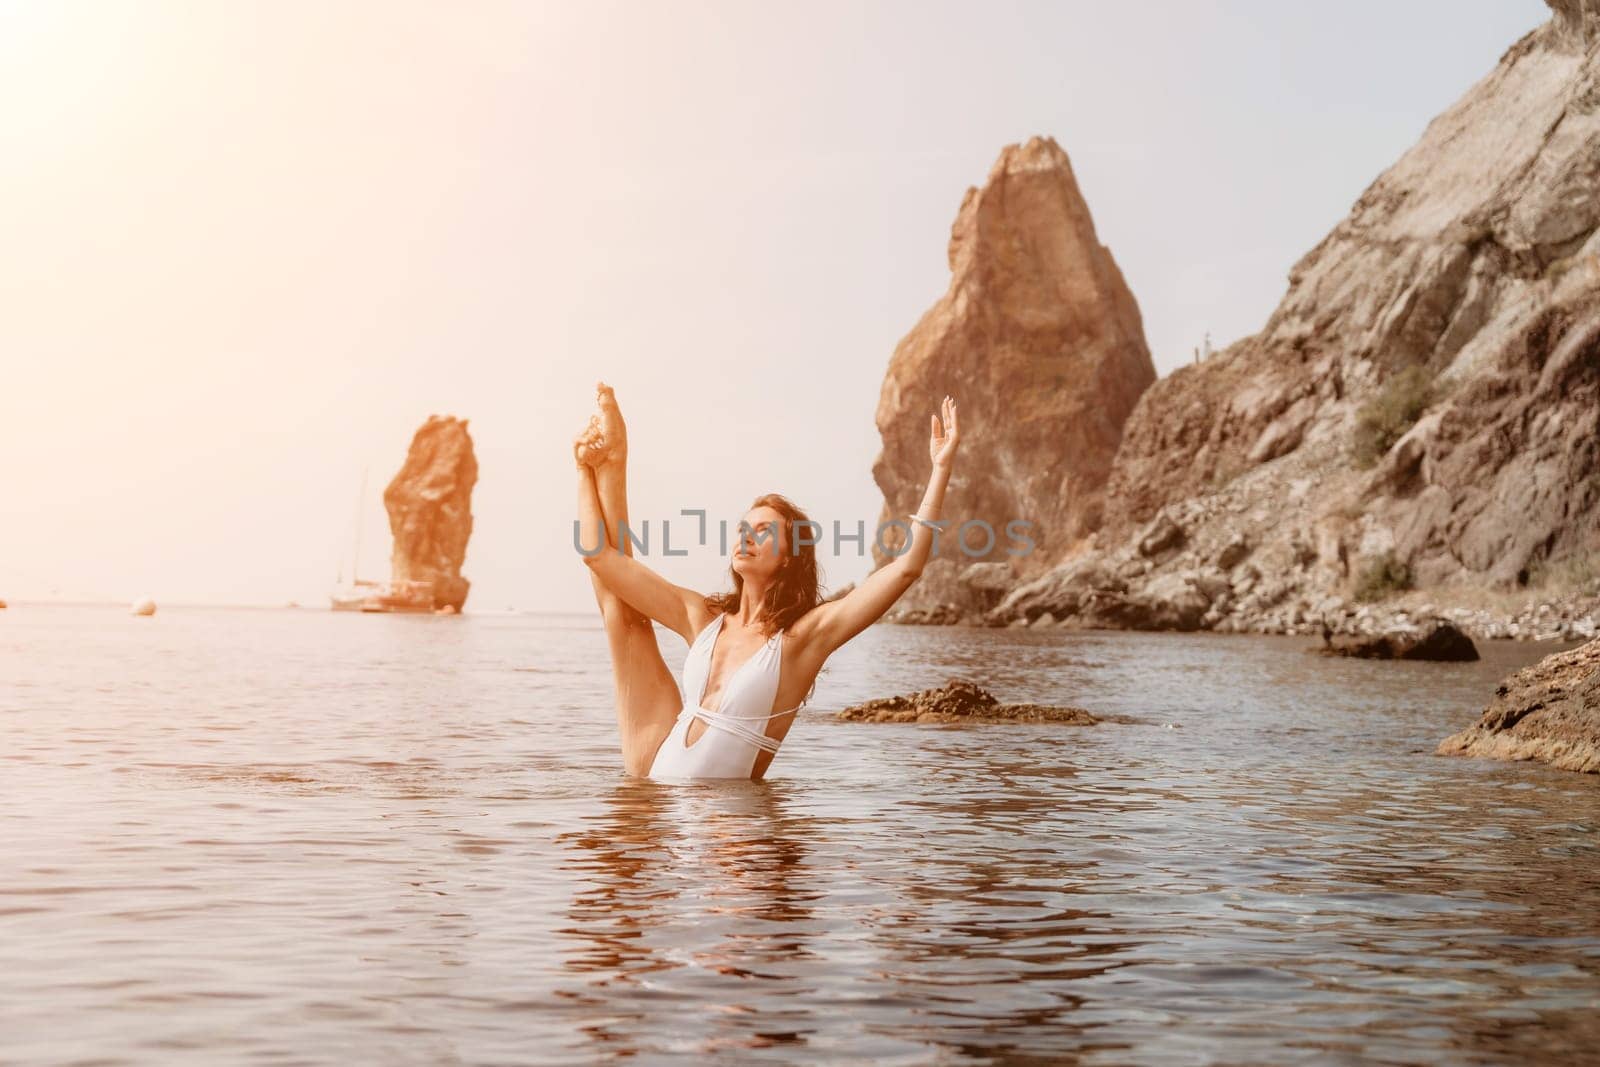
{"points": [[839, 620]]}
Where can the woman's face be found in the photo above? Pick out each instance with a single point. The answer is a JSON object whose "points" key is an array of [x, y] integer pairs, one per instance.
{"points": [[763, 544]]}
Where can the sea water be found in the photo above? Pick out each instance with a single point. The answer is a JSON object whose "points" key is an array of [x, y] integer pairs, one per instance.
{"points": [[290, 836]]}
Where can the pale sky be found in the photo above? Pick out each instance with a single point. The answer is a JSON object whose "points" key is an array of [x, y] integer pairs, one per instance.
{"points": [[250, 247]]}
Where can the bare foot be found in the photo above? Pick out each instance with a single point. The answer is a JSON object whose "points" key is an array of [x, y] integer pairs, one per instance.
{"points": [[590, 446], [611, 426]]}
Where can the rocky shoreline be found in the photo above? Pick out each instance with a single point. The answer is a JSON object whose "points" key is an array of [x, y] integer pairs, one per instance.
{"points": [[1201, 600]]}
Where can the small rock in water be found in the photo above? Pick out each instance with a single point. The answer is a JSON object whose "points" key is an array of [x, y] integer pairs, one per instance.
{"points": [[1442, 641], [960, 701]]}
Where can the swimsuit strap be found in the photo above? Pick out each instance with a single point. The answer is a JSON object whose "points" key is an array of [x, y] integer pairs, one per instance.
{"points": [[754, 718], [731, 724]]}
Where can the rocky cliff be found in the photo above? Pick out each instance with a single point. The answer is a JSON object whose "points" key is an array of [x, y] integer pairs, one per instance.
{"points": [[1040, 340], [430, 510], [1418, 419]]}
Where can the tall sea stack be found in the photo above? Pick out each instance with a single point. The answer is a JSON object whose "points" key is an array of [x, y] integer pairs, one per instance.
{"points": [[430, 510], [1040, 340]]}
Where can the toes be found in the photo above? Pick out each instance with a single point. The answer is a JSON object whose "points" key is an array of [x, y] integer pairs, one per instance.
{"points": [[589, 445]]}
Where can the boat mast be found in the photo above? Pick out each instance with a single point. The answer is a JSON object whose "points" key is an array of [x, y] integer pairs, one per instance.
{"points": [[355, 574]]}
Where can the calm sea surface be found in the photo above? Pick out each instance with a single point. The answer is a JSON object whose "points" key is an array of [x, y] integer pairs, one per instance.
{"points": [[295, 837]]}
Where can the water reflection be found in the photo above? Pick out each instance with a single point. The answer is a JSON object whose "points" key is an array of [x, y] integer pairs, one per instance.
{"points": [[726, 860]]}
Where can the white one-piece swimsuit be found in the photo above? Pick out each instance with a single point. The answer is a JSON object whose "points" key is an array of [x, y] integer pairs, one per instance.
{"points": [[736, 729]]}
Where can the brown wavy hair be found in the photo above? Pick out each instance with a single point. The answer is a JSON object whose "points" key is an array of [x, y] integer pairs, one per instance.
{"points": [[798, 588]]}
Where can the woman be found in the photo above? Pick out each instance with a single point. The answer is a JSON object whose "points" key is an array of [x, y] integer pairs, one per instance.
{"points": [[751, 651]]}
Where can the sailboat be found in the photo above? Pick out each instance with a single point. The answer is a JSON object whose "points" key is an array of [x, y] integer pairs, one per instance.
{"points": [[354, 594], [361, 594]]}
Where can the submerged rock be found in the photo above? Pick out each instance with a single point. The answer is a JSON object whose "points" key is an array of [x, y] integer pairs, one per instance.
{"points": [[1442, 642], [430, 510], [1549, 711], [960, 701]]}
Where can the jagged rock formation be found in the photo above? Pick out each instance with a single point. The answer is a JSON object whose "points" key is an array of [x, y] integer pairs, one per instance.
{"points": [[1463, 290], [960, 701], [1041, 342], [1549, 711], [430, 510]]}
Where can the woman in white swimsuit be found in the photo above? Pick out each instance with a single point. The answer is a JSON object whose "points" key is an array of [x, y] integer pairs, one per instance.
{"points": [[754, 653]]}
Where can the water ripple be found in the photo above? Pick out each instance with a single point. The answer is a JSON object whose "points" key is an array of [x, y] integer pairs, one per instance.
{"points": [[294, 836]]}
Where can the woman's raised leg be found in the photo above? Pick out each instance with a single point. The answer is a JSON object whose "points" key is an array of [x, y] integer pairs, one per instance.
{"points": [[647, 695]]}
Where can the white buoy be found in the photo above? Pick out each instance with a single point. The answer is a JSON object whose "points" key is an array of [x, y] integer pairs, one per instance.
{"points": [[145, 606]]}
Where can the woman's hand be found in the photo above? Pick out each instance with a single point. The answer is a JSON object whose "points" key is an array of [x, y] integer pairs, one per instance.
{"points": [[944, 437]]}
